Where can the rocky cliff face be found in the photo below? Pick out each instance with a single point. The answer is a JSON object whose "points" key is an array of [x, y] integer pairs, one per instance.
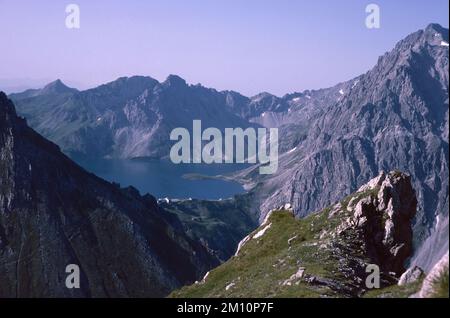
{"points": [[326, 254], [53, 213], [393, 117]]}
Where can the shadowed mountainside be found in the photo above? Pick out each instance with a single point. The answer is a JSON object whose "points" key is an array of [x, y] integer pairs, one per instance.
{"points": [[53, 213]]}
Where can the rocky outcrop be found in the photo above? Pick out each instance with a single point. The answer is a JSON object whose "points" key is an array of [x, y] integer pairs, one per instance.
{"points": [[382, 220], [412, 275], [326, 254], [53, 213]]}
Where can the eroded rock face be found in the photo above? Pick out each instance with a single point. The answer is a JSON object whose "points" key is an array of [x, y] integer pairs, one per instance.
{"points": [[393, 117], [53, 213], [382, 220], [412, 275]]}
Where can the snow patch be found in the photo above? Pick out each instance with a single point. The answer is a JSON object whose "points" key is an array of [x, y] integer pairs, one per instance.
{"points": [[296, 99], [229, 286], [438, 221], [205, 277], [341, 91], [241, 244], [443, 43], [262, 232], [291, 240], [266, 219], [292, 150]]}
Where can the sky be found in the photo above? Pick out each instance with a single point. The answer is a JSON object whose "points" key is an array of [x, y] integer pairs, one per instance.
{"points": [[250, 46]]}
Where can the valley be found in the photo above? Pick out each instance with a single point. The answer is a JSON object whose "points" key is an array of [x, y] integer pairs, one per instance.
{"points": [[150, 228]]}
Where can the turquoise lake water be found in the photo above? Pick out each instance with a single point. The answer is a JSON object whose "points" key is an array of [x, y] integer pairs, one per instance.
{"points": [[162, 178]]}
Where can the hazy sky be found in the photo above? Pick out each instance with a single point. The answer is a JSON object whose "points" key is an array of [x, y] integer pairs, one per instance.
{"points": [[245, 45]]}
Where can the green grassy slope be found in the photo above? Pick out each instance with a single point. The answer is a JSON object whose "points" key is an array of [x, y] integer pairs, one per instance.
{"points": [[328, 250]]}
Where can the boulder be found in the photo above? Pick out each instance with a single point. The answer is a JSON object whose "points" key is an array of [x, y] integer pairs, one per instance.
{"points": [[412, 275]]}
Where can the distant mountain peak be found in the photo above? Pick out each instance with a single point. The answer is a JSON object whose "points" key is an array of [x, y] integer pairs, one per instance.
{"points": [[128, 86], [57, 87], [175, 80], [436, 27], [425, 43], [135, 78], [434, 33], [261, 96]]}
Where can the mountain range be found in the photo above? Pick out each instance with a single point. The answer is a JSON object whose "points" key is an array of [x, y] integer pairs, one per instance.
{"points": [[128, 118], [394, 117]]}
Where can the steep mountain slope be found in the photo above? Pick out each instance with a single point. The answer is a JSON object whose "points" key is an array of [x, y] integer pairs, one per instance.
{"points": [[218, 225], [53, 213], [325, 254], [393, 117], [127, 118]]}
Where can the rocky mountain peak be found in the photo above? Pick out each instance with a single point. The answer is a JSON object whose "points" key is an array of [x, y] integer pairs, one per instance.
{"points": [[57, 87], [6, 106], [174, 81], [420, 42], [393, 117], [262, 96], [135, 84], [436, 29]]}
